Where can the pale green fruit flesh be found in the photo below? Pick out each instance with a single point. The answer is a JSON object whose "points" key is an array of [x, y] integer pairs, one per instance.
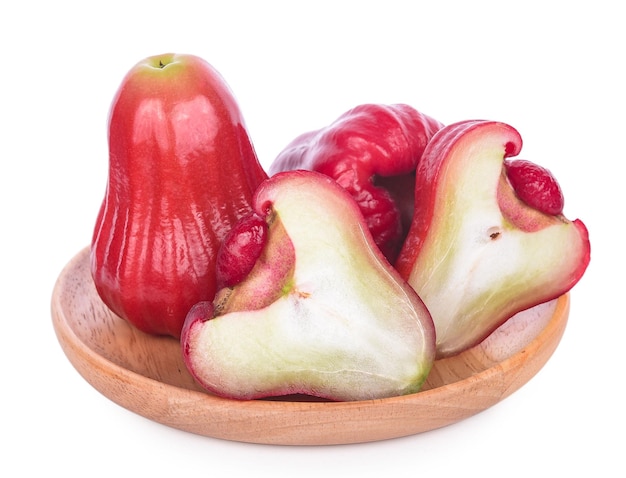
{"points": [[346, 326]]}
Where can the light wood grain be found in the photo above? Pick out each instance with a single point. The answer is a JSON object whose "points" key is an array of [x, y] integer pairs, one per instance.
{"points": [[146, 374]]}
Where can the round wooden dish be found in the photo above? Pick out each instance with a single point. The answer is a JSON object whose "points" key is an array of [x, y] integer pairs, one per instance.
{"points": [[146, 375]]}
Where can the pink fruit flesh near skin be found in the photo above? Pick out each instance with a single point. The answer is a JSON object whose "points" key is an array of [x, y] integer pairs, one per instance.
{"points": [[321, 312], [478, 250]]}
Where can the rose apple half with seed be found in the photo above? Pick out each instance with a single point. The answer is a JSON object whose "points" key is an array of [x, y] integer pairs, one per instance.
{"points": [[309, 304], [182, 172], [488, 237]]}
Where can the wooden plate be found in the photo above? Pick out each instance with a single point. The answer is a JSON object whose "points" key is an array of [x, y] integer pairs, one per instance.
{"points": [[146, 375]]}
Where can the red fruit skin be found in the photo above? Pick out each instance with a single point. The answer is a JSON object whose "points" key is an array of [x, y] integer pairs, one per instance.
{"points": [[372, 151], [182, 172], [535, 185]]}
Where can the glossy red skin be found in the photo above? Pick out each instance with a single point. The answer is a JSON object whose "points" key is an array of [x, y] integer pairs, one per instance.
{"points": [[372, 152], [182, 171]]}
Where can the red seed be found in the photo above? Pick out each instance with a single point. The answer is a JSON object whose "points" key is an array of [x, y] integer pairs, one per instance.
{"points": [[240, 250], [535, 185]]}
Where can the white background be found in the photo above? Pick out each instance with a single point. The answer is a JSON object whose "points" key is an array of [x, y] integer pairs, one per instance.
{"points": [[554, 70]]}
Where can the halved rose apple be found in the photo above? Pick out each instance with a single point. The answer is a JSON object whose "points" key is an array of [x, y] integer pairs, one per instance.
{"points": [[488, 237], [309, 305]]}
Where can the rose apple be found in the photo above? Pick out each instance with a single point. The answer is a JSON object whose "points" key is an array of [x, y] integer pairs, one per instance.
{"points": [[182, 171]]}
